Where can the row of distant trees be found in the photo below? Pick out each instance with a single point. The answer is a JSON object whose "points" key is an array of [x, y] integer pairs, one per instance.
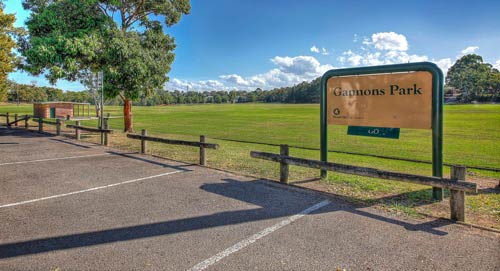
{"points": [[306, 92], [469, 79], [29, 93]]}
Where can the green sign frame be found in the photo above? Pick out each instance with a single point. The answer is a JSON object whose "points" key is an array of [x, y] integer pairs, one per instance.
{"points": [[437, 110]]}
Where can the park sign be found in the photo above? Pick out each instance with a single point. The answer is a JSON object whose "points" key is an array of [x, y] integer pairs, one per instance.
{"points": [[398, 100], [389, 96]]}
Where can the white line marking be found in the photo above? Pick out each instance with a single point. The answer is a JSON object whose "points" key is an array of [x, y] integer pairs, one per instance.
{"points": [[252, 239], [87, 190], [53, 159]]}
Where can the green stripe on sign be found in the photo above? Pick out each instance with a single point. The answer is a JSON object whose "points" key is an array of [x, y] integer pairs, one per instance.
{"points": [[373, 131]]}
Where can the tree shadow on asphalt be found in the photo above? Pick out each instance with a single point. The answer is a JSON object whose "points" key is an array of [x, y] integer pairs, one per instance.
{"points": [[153, 162], [75, 144], [23, 133], [275, 201], [408, 199]]}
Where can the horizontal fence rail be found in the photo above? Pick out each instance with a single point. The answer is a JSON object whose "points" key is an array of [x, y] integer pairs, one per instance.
{"points": [[58, 123], [17, 118], [24, 118], [105, 131], [357, 153], [174, 141], [201, 144], [90, 129], [35, 119], [367, 172], [456, 183]]}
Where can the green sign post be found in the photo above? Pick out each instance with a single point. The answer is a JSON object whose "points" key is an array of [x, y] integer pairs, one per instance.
{"points": [[437, 106]]}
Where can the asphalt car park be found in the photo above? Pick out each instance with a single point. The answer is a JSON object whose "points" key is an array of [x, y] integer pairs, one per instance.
{"points": [[71, 205]]}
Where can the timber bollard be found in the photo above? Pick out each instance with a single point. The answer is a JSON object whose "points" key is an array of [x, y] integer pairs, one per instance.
{"points": [[58, 127], [144, 143], [77, 131], [203, 156], [15, 118], [457, 198], [26, 123], [284, 167], [7, 119], [40, 125]]}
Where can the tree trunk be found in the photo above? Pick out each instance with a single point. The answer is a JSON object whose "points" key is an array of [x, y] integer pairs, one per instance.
{"points": [[127, 115]]}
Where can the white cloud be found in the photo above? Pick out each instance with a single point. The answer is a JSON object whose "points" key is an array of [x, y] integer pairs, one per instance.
{"points": [[444, 64], [355, 38], [299, 65], [288, 71], [235, 79], [391, 48], [372, 57], [177, 84], [317, 50], [497, 65], [383, 48], [470, 50], [388, 41], [351, 58]]}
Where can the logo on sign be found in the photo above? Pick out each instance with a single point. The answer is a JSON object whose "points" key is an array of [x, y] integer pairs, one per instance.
{"points": [[336, 111]]}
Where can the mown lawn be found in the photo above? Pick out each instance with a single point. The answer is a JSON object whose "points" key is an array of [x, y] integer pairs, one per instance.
{"points": [[471, 137]]}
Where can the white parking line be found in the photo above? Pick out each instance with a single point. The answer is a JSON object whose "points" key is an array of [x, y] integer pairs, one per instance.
{"points": [[252, 239], [87, 190], [53, 159]]}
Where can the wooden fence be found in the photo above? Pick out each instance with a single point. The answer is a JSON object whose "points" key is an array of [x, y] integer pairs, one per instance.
{"points": [[16, 119], [202, 144], [58, 123], [104, 132], [456, 183]]}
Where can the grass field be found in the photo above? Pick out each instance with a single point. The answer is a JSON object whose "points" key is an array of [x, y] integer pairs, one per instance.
{"points": [[471, 137]]}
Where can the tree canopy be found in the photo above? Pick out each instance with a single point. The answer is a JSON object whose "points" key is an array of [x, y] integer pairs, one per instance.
{"points": [[7, 57], [125, 39], [474, 78]]}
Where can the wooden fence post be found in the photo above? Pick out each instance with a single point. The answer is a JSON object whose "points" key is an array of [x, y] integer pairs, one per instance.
{"points": [[457, 198], [144, 143], [26, 123], [58, 127], [7, 119], [40, 125], [15, 118], [77, 131], [203, 155], [284, 167]]}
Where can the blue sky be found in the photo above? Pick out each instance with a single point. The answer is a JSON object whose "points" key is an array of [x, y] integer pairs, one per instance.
{"points": [[243, 44]]}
